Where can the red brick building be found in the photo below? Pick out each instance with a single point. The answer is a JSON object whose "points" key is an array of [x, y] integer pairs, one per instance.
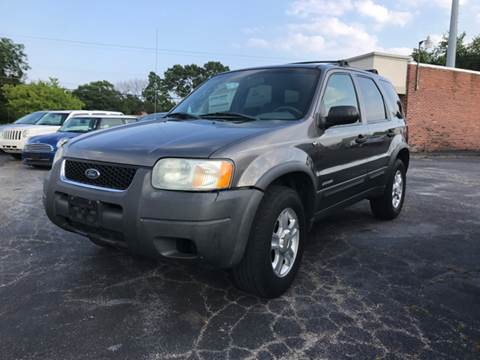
{"points": [[443, 108]]}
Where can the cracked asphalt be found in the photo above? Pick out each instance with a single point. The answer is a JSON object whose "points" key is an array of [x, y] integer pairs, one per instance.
{"points": [[366, 290]]}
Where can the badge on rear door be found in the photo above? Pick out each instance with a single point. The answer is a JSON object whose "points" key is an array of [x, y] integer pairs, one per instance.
{"points": [[92, 174]]}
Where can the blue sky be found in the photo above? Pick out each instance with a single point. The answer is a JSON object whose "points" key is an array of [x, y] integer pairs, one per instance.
{"points": [[58, 35]]}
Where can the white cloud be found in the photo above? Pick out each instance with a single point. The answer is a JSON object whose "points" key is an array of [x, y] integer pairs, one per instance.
{"points": [[324, 37], [381, 14], [445, 4], [399, 51], [307, 8]]}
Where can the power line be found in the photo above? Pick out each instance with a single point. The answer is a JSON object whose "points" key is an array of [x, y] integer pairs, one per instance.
{"points": [[150, 49]]}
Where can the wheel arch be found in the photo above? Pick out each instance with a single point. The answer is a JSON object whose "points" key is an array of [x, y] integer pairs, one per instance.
{"points": [[296, 177]]}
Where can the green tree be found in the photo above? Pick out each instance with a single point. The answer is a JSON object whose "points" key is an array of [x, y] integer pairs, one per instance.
{"points": [[13, 66], [99, 95], [181, 80], [468, 54], [42, 95], [131, 105], [156, 95]]}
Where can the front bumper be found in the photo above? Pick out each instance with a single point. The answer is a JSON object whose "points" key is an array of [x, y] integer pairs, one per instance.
{"points": [[12, 146], [38, 158], [210, 226]]}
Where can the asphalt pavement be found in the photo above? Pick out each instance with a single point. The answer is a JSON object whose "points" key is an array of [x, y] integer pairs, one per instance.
{"points": [[367, 289]]}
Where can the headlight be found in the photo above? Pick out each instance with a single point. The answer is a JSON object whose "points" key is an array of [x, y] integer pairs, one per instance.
{"points": [[58, 155], [60, 149], [192, 174], [24, 133], [61, 142]]}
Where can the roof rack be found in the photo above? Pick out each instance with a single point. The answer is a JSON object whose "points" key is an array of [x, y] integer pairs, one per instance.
{"points": [[336, 62]]}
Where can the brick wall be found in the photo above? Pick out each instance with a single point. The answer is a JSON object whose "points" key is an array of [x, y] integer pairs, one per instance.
{"points": [[444, 113]]}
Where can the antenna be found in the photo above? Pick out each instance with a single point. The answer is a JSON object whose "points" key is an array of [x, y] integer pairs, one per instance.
{"points": [[156, 70]]}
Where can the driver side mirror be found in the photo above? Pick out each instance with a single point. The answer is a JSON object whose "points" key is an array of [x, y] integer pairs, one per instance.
{"points": [[339, 115]]}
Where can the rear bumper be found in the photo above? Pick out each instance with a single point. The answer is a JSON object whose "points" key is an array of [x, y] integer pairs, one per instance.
{"points": [[38, 158], [211, 226]]}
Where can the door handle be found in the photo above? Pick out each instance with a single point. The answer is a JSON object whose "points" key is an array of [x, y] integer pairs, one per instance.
{"points": [[361, 139], [391, 133]]}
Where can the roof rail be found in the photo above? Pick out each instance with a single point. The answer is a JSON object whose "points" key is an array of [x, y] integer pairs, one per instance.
{"points": [[336, 62], [375, 71]]}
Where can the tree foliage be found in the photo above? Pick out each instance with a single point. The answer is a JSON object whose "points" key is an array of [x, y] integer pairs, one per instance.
{"points": [[182, 80], [41, 95], [13, 66], [156, 95], [468, 54], [99, 95], [178, 81]]}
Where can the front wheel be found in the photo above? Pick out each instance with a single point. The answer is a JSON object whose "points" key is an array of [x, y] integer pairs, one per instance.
{"points": [[275, 245], [389, 205]]}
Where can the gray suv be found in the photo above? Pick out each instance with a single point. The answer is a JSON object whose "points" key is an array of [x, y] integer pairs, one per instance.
{"points": [[236, 173]]}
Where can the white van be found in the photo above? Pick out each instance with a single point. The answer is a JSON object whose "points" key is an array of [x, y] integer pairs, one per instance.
{"points": [[14, 138]]}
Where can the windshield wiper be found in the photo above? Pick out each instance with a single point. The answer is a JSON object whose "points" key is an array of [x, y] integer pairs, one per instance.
{"points": [[181, 115], [229, 115]]}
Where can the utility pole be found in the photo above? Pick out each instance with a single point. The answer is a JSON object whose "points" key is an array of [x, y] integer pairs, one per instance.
{"points": [[156, 70], [452, 35]]}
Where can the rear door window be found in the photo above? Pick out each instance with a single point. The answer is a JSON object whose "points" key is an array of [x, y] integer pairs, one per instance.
{"points": [[374, 105]]}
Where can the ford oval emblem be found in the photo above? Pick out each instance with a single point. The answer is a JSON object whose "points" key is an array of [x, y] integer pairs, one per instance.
{"points": [[92, 174]]}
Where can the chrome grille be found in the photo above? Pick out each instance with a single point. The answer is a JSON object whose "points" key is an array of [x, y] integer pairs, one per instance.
{"points": [[38, 148], [12, 134]]}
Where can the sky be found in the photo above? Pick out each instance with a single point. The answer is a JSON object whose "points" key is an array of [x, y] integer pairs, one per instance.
{"points": [[115, 40]]}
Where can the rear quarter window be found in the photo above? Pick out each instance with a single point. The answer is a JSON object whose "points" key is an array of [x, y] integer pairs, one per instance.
{"points": [[393, 101]]}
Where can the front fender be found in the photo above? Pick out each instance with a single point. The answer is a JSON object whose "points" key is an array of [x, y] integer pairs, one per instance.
{"points": [[273, 164]]}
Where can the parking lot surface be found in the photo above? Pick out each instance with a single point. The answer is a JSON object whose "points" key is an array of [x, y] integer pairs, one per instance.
{"points": [[366, 290]]}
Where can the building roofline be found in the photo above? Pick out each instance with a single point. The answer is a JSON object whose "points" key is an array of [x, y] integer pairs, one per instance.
{"points": [[379, 53], [440, 67]]}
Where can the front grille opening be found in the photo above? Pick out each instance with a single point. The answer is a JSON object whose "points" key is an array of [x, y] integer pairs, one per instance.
{"points": [[111, 176]]}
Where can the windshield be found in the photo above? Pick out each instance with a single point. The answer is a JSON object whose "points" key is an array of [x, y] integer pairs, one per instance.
{"points": [[31, 119], [79, 125], [53, 119], [265, 94]]}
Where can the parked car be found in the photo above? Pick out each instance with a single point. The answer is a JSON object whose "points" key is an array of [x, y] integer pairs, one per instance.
{"points": [[40, 150], [28, 119], [239, 170], [153, 117], [14, 138]]}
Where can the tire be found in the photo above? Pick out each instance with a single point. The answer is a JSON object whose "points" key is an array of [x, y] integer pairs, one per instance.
{"points": [[255, 273], [389, 205]]}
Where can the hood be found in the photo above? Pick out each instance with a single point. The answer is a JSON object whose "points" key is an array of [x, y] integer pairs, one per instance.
{"points": [[52, 138], [144, 143]]}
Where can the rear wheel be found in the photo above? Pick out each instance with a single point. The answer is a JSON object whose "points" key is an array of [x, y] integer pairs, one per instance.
{"points": [[275, 245], [389, 205]]}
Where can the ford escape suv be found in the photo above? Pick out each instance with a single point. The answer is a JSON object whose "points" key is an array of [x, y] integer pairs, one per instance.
{"points": [[237, 172]]}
